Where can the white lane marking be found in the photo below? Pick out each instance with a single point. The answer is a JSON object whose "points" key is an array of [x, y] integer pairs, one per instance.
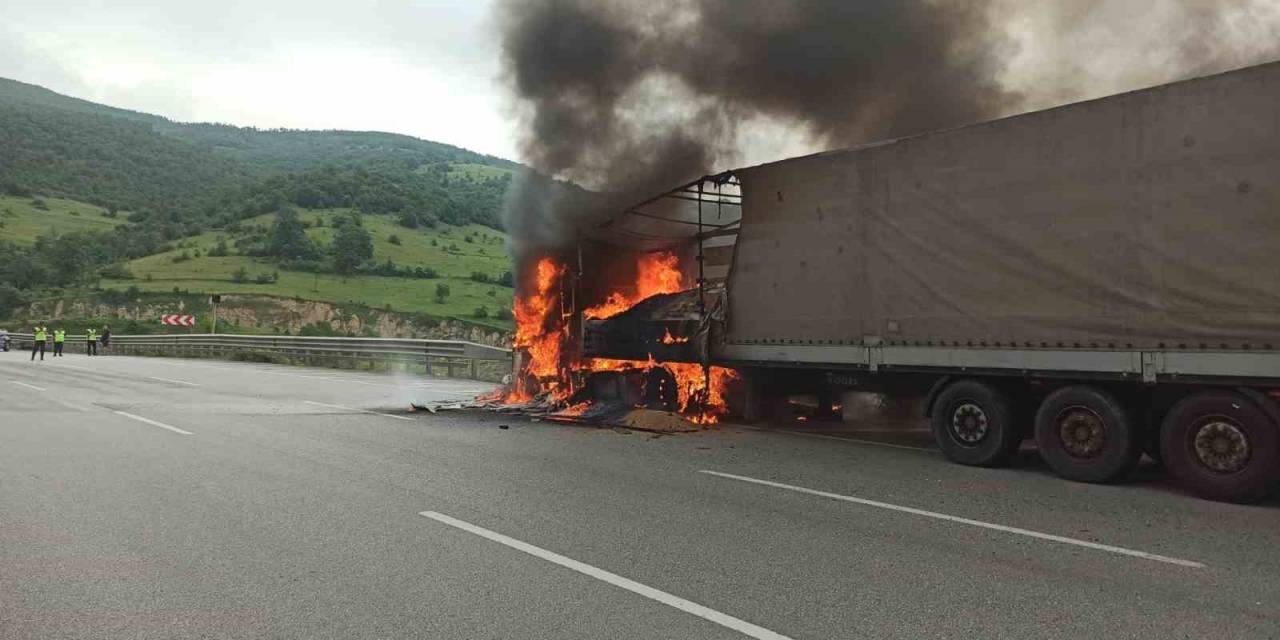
{"points": [[189, 384], [153, 423], [29, 386], [827, 437], [976, 523], [376, 413], [724, 620]]}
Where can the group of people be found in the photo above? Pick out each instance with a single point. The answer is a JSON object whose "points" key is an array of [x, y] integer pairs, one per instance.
{"points": [[41, 334]]}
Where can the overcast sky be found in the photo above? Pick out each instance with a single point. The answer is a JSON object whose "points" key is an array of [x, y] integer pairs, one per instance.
{"points": [[426, 68]]}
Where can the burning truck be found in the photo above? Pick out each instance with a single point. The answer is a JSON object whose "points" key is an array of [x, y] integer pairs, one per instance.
{"points": [[1100, 277], [628, 316]]}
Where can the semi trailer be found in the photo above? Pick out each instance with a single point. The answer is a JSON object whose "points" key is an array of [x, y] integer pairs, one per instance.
{"points": [[1102, 278]]}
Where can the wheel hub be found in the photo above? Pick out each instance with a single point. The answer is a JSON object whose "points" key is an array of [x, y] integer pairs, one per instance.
{"points": [[1220, 445], [1081, 432], [969, 424]]}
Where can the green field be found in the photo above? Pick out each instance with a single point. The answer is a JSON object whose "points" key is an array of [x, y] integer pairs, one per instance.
{"points": [[23, 220], [476, 171], [486, 253]]}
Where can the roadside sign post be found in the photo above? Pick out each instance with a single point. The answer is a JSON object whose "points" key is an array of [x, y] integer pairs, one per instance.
{"points": [[213, 302]]}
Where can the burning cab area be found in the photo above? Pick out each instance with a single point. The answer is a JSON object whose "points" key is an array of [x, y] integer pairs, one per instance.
{"points": [[594, 352]]}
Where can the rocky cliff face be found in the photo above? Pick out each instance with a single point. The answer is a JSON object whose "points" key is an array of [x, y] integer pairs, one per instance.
{"points": [[273, 314]]}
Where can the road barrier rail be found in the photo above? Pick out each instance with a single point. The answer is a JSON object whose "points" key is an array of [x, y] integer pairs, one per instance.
{"points": [[454, 356]]}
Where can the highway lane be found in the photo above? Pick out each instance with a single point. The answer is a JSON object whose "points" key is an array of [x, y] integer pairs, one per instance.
{"points": [[289, 512]]}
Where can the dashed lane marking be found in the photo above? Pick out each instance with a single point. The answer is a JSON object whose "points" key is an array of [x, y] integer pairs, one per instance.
{"points": [[153, 423], [975, 523], [676, 602]]}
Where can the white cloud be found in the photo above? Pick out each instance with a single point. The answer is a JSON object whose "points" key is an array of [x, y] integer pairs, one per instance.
{"points": [[426, 68]]}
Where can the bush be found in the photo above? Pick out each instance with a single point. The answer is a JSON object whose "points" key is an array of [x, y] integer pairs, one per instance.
{"points": [[481, 277], [394, 239], [264, 278], [442, 292], [220, 250], [502, 314], [241, 275], [116, 272], [481, 312], [181, 257], [40, 204]]}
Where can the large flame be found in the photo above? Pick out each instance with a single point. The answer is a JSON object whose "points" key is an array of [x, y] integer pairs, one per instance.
{"points": [[657, 273], [542, 329]]}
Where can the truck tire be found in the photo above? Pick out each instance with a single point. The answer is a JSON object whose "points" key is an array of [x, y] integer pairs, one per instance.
{"points": [[1085, 434], [973, 424], [1222, 446]]}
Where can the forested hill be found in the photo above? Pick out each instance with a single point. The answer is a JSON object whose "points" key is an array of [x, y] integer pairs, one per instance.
{"points": [[190, 177]]}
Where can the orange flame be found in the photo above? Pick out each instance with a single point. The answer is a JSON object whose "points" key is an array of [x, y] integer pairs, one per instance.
{"points": [[657, 273], [537, 333], [670, 339], [541, 332]]}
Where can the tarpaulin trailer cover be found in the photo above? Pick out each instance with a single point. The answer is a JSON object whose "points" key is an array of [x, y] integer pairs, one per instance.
{"points": [[1148, 220]]}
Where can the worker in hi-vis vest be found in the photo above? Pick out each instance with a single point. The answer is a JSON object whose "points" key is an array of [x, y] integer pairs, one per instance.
{"points": [[59, 337], [91, 342], [41, 335]]}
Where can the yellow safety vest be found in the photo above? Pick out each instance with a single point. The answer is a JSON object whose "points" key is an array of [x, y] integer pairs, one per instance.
{"points": [[41, 334], [59, 335], [93, 336]]}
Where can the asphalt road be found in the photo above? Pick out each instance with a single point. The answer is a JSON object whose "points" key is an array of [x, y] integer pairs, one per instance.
{"points": [[163, 498]]}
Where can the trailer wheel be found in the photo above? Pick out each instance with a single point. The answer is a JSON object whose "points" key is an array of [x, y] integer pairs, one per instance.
{"points": [[1085, 434], [1221, 446], [973, 424]]}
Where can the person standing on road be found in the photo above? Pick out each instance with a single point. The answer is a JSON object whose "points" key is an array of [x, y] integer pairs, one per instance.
{"points": [[59, 337], [91, 342], [106, 336], [39, 334]]}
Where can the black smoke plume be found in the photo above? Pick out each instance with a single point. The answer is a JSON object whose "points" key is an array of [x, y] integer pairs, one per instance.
{"points": [[629, 98]]}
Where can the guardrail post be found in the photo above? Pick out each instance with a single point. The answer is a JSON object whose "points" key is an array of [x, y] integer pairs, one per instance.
{"points": [[475, 370]]}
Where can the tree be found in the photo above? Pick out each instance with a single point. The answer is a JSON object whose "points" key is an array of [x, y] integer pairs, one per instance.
{"points": [[351, 247], [240, 275], [289, 239], [442, 292]]}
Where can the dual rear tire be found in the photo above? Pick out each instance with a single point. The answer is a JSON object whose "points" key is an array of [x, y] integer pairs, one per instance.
{"points": [[1085, 434], [1221, 445]]}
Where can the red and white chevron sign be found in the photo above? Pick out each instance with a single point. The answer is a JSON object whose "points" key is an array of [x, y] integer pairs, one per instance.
{"points": [[175, 320]]}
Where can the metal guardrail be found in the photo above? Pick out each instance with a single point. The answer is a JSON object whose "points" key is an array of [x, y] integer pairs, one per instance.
{"points": [[432, 354]]}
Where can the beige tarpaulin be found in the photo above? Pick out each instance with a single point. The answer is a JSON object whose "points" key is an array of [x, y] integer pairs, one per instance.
{"points": [[1142, 220]]}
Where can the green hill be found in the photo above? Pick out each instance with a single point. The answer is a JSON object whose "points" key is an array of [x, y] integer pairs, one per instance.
{"points": [[200, 175], [194, 264], [128, 191], [22, 220]]}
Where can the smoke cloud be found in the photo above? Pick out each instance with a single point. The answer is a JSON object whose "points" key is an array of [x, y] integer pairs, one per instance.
{"points": [[628, 98]]}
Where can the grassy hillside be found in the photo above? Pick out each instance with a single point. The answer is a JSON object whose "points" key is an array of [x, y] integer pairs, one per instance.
{"points": [[22, 219], [211, 174], [444, 250], [155, 196]]}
